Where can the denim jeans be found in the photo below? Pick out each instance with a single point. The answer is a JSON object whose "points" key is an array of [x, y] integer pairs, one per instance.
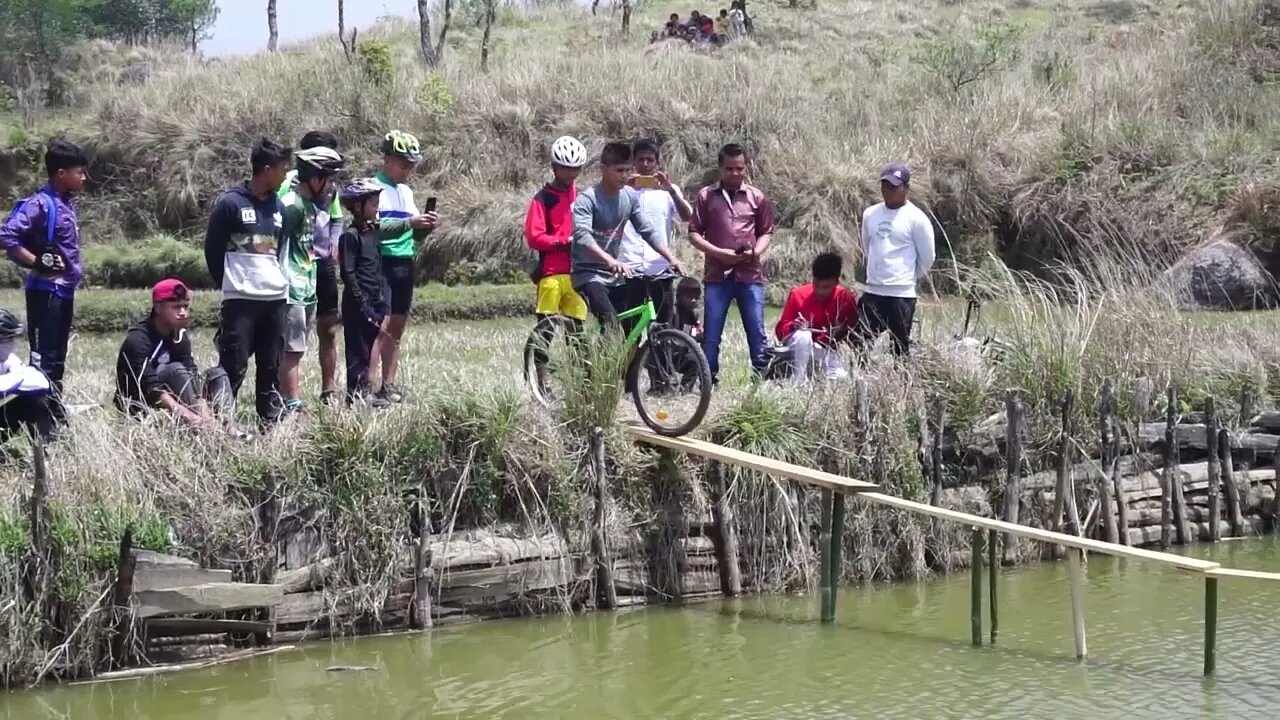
{"points": [[750, 300]]}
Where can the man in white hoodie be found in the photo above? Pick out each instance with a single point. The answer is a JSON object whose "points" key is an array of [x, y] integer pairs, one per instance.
{"points": [[897, 244]]}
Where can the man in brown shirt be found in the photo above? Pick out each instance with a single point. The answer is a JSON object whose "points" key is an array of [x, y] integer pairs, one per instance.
{"points": [[732, 225]]}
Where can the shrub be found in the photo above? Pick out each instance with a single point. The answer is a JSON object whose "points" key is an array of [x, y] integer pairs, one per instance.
{"points": [[375, 61], [959, 61]]}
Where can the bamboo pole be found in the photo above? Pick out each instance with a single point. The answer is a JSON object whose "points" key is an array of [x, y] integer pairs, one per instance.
{"points": [[606, 590], [1211, 442], [1181, 527], [1210, 625], [726, 536], [1106, 492], [837, 548], [420, 529], [824, 546], [126, 564], [975, 586], [993, 572], [935, 451], [1229, 484], [1065, 494], [1013, 469], [268, 526], [1076, 571]]}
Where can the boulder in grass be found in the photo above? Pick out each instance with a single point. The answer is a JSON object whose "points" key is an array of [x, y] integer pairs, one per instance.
{"points": [[1221, 275]]}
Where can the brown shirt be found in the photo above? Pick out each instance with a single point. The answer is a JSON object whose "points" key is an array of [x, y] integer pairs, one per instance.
{"points": [[732, 220]]}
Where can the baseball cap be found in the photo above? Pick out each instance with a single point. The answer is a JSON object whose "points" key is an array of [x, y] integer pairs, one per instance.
{"points": [[897, 174], [168, 290]]}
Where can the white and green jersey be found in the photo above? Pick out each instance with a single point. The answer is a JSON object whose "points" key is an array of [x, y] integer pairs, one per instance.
{"points": [[299, 256], [325, 239], [396, 203]]}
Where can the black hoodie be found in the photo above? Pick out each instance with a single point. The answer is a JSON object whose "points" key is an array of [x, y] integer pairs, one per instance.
{"points": [[242, 246]]}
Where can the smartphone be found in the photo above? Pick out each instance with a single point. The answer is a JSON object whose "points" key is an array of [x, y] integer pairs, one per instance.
{"points": [[430, 205], [645, 182]]}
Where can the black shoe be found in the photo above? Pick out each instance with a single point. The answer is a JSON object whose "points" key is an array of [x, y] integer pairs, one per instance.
{"points": [[391, 393], [328, 397]]}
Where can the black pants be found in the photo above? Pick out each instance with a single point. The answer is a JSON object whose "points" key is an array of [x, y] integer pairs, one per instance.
{"points": [[48, 332], [877, 313], [31, 414], [253, 328], [358, 335], [603, 301]]}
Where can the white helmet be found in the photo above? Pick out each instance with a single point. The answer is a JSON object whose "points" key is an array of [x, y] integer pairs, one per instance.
{"points": [[567, 151], [318, 162]]}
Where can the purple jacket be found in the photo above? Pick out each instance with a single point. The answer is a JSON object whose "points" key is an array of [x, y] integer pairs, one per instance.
{"points": [[28, 228]]}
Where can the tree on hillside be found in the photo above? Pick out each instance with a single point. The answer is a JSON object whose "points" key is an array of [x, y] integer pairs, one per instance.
{"points": [[490, 15], [273, 29], [432, 54], [194, 18]]}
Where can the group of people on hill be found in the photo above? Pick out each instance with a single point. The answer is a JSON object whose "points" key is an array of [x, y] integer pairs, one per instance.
{"points": [[729, 25], [294, 252], [275, 246], [598, 248]]}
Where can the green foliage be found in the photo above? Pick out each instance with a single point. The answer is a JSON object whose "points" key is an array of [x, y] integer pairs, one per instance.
{"points": [[1055, 68], [13, 536], [434, 97], [376, 62], [958, 61]]}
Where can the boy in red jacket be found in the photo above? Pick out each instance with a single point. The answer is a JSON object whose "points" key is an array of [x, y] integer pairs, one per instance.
{"points": [[817, 317], [548, 228]]}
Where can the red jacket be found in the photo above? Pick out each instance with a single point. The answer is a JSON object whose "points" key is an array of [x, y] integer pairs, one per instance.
{"points": [[548, 228], [836, 312]]}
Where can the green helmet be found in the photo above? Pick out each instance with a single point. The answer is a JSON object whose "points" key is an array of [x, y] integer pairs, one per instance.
{"points": [[402, 145]]}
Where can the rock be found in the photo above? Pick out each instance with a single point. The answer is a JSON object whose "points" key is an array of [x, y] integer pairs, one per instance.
{"points": [[1221, 275]]}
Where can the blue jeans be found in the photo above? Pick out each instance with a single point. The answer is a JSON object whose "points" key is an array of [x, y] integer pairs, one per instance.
{"points": [[750, 300]]}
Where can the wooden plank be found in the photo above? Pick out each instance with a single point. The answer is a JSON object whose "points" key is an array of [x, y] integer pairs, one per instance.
{"points": [[766, 465], [207, 598], [505, 581], [166, 576], [1242, 574], [157, 627]]}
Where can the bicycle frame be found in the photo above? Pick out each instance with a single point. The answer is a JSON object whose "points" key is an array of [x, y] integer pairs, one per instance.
{"points": [[645, 314]]}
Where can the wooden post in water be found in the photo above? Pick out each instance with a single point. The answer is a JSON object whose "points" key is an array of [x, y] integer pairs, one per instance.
{"points": [[1211, 444], [268, 526], [126, 563], [824, 547], [1181, 525], [935, 451], [420, 532], [975, 586], [1013, 469], [36, 574], [606, 591], [1106, 491], [1065, 491], [726, 535], [993, 572], [1075, 568], [1210, 625], [1229, 484], [837, 549]]}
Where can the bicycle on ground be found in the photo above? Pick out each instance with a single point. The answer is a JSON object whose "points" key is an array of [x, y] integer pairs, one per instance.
{"points": [[665, 375]]}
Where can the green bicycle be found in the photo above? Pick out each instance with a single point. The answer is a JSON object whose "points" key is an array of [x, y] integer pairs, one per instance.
{"points": [[666, 375]]}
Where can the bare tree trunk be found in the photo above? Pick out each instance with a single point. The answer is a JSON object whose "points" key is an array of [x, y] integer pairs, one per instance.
{"points": [[195, 40], [490, 13], [444, 29], [424, 33], [273, 28], [342, 21], [626, 17]]}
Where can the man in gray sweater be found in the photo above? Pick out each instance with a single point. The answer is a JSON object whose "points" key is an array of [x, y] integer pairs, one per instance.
{"points": [[600, 217]]}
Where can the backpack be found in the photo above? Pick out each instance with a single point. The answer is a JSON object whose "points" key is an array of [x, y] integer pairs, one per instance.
{"points": [[50, 217]]}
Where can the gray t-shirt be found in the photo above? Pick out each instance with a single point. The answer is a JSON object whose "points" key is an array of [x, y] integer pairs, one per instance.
{"points": [[602, 220]]}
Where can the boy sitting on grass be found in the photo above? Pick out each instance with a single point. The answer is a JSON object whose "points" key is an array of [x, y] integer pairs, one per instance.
{"points": [[816, 318], [365, 295]]}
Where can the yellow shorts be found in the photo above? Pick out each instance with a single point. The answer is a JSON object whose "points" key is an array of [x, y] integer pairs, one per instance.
{"points": [[556, 296]]}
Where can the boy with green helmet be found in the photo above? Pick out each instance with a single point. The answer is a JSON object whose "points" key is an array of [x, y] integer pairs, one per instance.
{"points": [[400, 155]]}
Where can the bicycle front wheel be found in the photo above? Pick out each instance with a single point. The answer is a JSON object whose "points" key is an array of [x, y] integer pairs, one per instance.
{"points": [[671, 383]]}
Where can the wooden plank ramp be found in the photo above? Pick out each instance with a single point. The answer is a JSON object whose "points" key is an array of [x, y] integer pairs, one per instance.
{"points": [[868, 492]]}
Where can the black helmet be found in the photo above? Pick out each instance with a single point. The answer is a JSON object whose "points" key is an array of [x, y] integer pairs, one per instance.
{"points": [[10, 325]]}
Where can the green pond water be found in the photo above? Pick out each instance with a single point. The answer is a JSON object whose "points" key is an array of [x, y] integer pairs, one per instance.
{"points": [[897, 651]]}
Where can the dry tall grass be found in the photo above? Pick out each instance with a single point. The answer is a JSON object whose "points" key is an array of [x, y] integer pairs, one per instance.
{"points": [[1144, 121]]}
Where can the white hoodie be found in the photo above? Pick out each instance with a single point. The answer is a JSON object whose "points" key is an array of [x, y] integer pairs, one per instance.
{"points": [[898, 246]]}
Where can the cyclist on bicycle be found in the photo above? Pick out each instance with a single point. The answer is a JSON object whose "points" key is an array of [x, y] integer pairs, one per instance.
{"points": [[548, 229], [600, 217]]}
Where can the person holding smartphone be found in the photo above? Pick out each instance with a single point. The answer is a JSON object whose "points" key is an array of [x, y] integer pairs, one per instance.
{"points": [[662, 203], [400, 155]]}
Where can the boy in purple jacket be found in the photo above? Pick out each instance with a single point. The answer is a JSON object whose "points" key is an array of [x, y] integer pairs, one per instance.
{"points": [[43, 236]]}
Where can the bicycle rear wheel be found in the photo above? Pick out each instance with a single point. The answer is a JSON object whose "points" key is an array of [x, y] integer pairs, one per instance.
{"points": [[544, 354], [679, 383]]}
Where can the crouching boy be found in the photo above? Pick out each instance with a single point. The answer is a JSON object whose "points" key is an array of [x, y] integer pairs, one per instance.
{"points": [[817, 316]]}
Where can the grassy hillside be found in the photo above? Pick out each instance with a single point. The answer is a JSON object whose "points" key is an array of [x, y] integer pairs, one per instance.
{"points": [[1042, 130]]}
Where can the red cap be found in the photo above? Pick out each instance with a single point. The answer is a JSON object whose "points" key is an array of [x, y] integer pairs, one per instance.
{"points": [[168, 290]]}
